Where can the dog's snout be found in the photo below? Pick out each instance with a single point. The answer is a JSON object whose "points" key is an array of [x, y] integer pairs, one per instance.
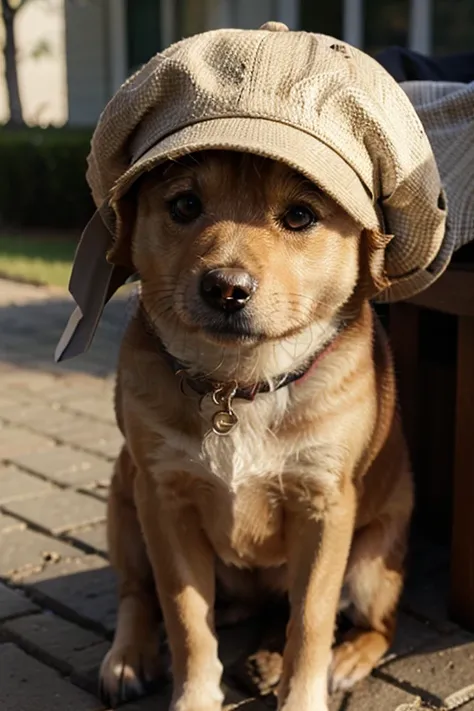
{"points": [[228, 289]]}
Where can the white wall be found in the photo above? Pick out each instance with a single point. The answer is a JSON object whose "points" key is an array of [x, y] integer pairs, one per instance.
{"points": [[42, 80], [88, 60], [96, 61]]}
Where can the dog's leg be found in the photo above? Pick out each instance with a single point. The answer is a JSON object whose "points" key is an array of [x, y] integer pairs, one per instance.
{"points": [[318, 548], [375, 569], [132, 662], [184, 570], [374, 582]]}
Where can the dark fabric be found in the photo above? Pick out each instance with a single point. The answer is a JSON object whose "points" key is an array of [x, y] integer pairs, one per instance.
{"points": [[406, 65]]}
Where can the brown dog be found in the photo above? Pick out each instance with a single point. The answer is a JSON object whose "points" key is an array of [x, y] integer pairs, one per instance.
{"points": [[254, 287]]}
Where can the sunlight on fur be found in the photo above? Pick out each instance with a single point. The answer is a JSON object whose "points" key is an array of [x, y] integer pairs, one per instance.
{"points": [[256, 396]]}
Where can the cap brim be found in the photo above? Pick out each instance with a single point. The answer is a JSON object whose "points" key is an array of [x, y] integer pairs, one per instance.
{"points": [[270, 139]]}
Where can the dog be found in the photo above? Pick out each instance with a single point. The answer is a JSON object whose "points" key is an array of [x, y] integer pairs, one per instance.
{"points": [[264, 454]]}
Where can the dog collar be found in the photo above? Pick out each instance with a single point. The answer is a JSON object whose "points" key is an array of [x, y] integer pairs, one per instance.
{"points": [[224, 394]]}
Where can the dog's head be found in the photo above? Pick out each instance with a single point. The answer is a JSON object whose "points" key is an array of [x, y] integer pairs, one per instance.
{"points": [[240, 250], [326, 109]]}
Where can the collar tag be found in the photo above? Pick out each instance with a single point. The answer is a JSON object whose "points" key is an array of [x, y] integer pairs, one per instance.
{"points": [[224, 420]]}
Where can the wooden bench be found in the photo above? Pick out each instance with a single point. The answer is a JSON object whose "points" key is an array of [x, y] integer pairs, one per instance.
{"points": [[433, 341]]}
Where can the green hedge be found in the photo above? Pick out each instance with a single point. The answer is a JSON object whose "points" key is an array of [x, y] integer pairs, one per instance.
{"points": [[42, 178]]}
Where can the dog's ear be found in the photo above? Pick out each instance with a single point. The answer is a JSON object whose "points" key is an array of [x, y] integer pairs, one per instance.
{"points": [[373, 258]]}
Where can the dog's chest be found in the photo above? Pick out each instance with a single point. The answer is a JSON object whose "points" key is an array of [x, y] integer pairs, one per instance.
{"points": [[248, 452], [241, 484], [243, 504], [245, 526], [252, 450]]}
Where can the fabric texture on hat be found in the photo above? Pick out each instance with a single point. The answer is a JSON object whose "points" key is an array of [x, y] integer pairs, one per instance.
{"points": [[311, 101], [446, 110]]}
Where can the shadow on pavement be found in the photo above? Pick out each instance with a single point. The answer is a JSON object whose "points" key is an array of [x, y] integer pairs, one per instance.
{"points": [[30, 332], [83, 592]]}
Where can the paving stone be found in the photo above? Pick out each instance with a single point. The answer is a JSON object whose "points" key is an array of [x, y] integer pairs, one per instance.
{"points": [[17, 348], [100, 490], [57, 642], [59, 512], [6, 370], [34, 413], [87, 665], [15, 484], [94, 366], [84, 589], [65, 465], [16, 440], [161, 702], [24, 383], [154, 702], [411, 634], [29, 685], [42, 384], [53, 422], [7, 402], [23, 550], [98, 408], [427, 588], [372, 694], [76, 388], [13, 604], [97, 437], [94, 537], [437, 670], [8, 523], [236, 699], [70, 404]]}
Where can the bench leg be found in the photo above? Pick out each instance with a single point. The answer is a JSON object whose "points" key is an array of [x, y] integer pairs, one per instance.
{"points": [[404, 337], [462, 551]]}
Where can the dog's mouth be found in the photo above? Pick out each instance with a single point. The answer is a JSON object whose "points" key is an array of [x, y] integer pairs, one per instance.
{"points": [[238, 329], [244, 325], [231, 328]]}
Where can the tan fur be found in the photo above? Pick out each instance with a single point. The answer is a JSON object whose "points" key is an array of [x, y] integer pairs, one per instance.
{"points": [[313, 487]]}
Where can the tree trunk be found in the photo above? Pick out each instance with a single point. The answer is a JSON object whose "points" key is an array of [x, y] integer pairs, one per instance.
{"points": [[11, 72]]}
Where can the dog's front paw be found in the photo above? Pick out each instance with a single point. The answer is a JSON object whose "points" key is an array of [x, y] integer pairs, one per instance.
{"points": [[199, 700], [355, 658], [264, 669], [128, 672]]}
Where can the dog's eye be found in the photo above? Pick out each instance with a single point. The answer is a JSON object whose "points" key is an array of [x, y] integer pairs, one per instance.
{"points": [[185, 208], [298, 217]]}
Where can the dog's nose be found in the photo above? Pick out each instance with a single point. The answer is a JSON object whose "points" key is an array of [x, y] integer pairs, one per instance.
{"points": [[228, 289]]}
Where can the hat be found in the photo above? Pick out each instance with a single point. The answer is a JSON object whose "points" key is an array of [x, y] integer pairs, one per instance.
{"points": [[313, 102]]}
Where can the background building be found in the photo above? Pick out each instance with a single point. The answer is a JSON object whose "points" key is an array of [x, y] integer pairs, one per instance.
{"points": [[40, 36], [95, 44], [108, 39]]}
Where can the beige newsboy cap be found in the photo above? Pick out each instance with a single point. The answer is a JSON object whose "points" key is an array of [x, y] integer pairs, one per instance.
{"points": [[311, 101]]}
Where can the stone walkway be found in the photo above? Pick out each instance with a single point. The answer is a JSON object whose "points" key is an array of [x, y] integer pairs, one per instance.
{"points": [[57, 593]]}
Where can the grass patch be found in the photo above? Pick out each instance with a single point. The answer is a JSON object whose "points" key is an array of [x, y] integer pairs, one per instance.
{"points": [[37, 260]]}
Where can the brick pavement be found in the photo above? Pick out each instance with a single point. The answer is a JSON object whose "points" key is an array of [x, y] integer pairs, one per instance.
{"points": [[57, 592]]}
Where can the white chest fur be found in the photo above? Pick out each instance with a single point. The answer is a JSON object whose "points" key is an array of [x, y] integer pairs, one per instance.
{"points": [[259, 448]]}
